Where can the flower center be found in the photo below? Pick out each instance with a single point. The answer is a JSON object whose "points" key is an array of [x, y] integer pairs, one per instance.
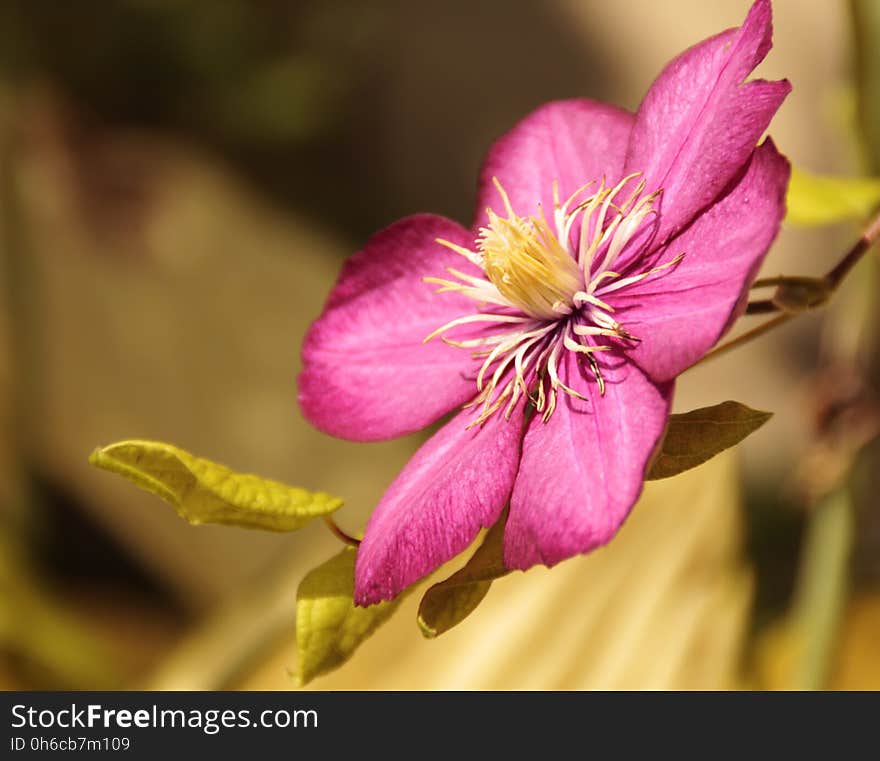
{"points": [[543, 292], [528, 265]]}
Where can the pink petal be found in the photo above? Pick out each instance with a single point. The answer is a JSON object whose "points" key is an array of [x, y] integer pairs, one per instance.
{"points": [[572, 141], [367, 373], [582, 471], [699, 123], [681, 314], [456, 484]]}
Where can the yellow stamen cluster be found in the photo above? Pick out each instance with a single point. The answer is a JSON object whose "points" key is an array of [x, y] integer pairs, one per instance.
{"points": [[527, 264]]}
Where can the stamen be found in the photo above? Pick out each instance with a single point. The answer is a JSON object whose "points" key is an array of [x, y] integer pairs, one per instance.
{"points": [[504, 197], [569, 343], [600, 381], [483, 293], [590, 330], [582, 297], [471, 256], [479, 317], [638, 278]]}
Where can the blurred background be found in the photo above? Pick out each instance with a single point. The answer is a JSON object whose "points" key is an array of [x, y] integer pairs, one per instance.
{"points": [[179, 185]]}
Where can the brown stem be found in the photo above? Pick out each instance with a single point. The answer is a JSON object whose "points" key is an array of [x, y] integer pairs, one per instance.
{"points": [[769, 282], [868, 239], [764, 306], [753, 333], [833, 279], [339, 533]]}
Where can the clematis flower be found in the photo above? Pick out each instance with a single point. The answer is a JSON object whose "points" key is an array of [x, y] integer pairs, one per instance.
{"points": [[610, 251]]}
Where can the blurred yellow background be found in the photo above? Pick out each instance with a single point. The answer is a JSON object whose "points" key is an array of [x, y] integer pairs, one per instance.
{"points": [[180, 183]]}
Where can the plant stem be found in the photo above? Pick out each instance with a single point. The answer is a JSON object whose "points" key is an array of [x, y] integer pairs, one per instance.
{"points": [[764, 306], [843, 267], [746, 337], [821, 590], [339, 533], [833, 278]]}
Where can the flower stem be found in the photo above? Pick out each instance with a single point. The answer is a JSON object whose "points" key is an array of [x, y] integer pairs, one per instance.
{"points": [[827, 283], [868, 239], [339, 533], [764, 306], [748, 336]]}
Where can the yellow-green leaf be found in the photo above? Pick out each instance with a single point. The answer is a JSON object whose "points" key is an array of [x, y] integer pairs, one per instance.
{"points": [[449, 602], [694, 437], [329, 627], [202, 491], [823, 200]]}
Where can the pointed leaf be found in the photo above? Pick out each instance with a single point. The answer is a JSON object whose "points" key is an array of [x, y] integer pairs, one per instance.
{"points": [[449, 602], [329, 627], [824, 200], [694, 437], [202, 491]]}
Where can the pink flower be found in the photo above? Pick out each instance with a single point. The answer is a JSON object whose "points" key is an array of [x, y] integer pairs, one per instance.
{"points": [[609, 253]]}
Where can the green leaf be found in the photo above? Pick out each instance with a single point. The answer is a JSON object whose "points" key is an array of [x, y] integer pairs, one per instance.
{"points": [[329, 626], [694, 437], [202, 491], [449, 602], [823, 200]]}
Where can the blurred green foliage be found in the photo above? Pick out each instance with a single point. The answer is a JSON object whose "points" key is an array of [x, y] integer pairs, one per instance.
{"points": [[270, 85], [231, 69]]}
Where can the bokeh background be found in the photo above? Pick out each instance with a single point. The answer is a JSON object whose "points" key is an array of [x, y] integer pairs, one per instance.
{"points": [[180, 183]]}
